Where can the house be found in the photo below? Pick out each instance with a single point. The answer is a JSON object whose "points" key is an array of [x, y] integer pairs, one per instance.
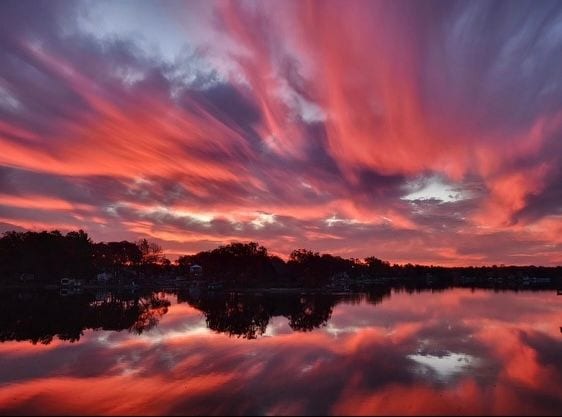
{"points": [[196, 270], [104, 277], [541, 280], [25, 277], [339, 282], [536, 280]]}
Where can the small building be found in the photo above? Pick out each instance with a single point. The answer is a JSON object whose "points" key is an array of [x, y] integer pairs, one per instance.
{"points": [[339, 282], [71, 282], [25, 277], [196, 270], [104, 277], [68, 282]]}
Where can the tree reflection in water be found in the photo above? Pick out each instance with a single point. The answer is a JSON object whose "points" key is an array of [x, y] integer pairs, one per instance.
{"points": [[247, 315], [40, 317]]}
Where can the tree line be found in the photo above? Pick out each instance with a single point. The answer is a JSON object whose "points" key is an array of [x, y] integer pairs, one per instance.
{"points": [[49, 256], [42, 316]]}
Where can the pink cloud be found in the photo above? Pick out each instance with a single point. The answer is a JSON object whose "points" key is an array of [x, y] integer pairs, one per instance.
{"points": [[318, 115]]}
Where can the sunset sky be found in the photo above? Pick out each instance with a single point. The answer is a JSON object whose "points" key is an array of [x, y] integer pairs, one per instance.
{"points": [[414, 131]]}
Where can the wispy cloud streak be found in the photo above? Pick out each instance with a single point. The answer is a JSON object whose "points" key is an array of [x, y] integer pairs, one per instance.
{"points": [[298, 124]]}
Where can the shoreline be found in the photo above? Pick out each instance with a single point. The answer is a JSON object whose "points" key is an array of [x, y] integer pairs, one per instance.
{"points": [[165, 286]]}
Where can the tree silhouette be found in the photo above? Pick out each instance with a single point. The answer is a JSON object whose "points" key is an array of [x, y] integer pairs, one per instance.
{"points": [[39, 317], [46, 257]]}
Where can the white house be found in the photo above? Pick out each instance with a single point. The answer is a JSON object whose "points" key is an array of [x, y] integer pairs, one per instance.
{"points": [[196, 270], [67, 282], [25, 277], [104, 277]]}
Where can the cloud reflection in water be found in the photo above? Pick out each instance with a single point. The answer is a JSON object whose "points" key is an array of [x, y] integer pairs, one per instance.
{"points": [[449, 352]]}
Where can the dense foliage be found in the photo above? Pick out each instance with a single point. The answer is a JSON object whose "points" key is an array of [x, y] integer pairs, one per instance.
{"points": [[50, 256]]}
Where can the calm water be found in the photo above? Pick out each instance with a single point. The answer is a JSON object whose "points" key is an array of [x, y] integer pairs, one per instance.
{"points": [[451, 352]]}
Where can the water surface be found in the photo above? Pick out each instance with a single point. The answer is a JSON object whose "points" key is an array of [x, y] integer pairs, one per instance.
{"points": [[456, 351]]}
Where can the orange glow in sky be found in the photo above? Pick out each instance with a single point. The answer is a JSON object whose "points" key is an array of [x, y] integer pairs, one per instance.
{"points": [[387, 128]]}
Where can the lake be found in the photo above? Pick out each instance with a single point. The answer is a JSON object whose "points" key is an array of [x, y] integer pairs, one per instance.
{"points": [[452, 351]]}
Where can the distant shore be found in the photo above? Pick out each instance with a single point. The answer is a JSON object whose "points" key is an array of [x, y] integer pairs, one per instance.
{"points": [[183, 285]]}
